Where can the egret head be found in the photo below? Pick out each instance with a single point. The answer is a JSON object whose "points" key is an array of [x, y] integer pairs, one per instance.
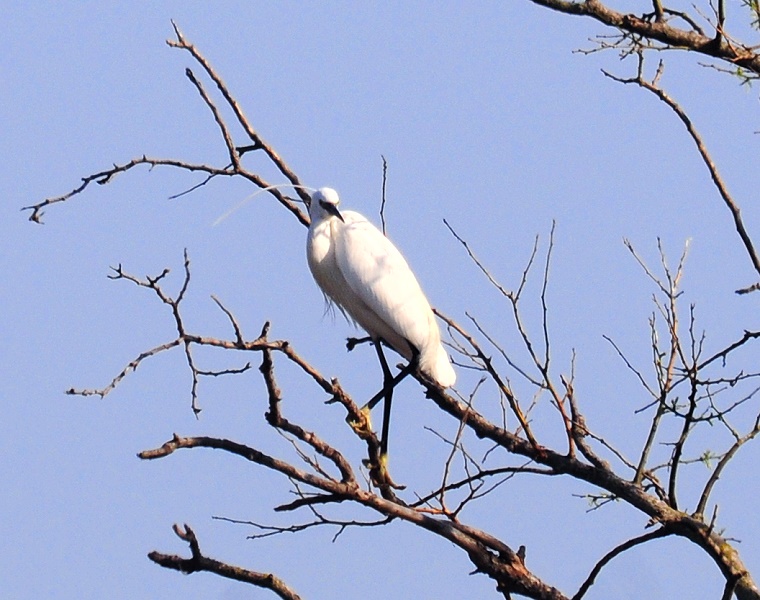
{"points": [[324, 204]]}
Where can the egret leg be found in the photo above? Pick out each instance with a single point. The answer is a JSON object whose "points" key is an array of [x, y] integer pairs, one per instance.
{"points": [[389, 382], [387, 391], [393, 383]]}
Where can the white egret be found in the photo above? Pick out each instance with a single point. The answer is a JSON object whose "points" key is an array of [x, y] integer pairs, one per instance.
{"points": [[364, 274]]}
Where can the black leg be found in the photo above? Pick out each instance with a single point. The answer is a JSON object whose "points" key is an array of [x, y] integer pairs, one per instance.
{"points": [[393, 383], [387, 392]]}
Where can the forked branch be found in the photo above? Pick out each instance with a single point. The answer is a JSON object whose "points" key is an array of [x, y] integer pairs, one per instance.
{"points": [[199, 562]]}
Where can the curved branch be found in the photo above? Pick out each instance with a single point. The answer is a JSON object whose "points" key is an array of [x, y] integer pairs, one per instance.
{"points": [[246, 452], [618, 550], [233, 152], [722, 463], [703, 152], [198, 562]]}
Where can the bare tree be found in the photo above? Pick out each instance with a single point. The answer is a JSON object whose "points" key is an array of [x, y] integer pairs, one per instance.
{"points": [[689, 385]]}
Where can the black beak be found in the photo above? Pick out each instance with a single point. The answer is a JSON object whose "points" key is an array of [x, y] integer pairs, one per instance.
{"points": [[332, 209]]}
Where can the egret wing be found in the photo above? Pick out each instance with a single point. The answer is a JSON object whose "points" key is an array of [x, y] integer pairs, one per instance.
{"points": [[380, 277]]}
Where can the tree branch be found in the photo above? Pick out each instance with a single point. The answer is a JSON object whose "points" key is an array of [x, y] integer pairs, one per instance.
{"points": [[703, 152], [198, 562], [660, 30], [104, 177], [617, 551], [281, 165]]}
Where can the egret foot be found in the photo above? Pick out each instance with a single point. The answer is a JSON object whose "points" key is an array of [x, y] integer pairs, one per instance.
{"points": [[353, 342], [361, 424], [379, 475]]}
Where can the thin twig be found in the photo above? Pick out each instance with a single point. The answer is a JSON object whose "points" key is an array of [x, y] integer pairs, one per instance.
{"points": [[706, 158], [632, 543], [232, 151], [105, 176], [182, 43]]}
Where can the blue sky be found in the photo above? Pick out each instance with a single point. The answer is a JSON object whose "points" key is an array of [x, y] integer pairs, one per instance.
{"points": [[487, 118]]}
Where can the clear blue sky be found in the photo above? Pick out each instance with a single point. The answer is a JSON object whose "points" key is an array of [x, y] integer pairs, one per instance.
{"points": [[488, 119]]}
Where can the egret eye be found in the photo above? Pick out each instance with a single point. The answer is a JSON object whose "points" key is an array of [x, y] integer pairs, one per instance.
{"points": [[331, 209]]}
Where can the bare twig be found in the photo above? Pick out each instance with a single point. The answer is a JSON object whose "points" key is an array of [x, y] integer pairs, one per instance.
{"points": [[491, 370], [231, 317], [198, 562], [703, 152], [632, 543], [233, 153], [281, 165], [704, 497], [105, 176]]}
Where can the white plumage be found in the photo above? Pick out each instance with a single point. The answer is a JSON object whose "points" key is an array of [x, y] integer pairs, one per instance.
{"points": [[361, 271]]}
